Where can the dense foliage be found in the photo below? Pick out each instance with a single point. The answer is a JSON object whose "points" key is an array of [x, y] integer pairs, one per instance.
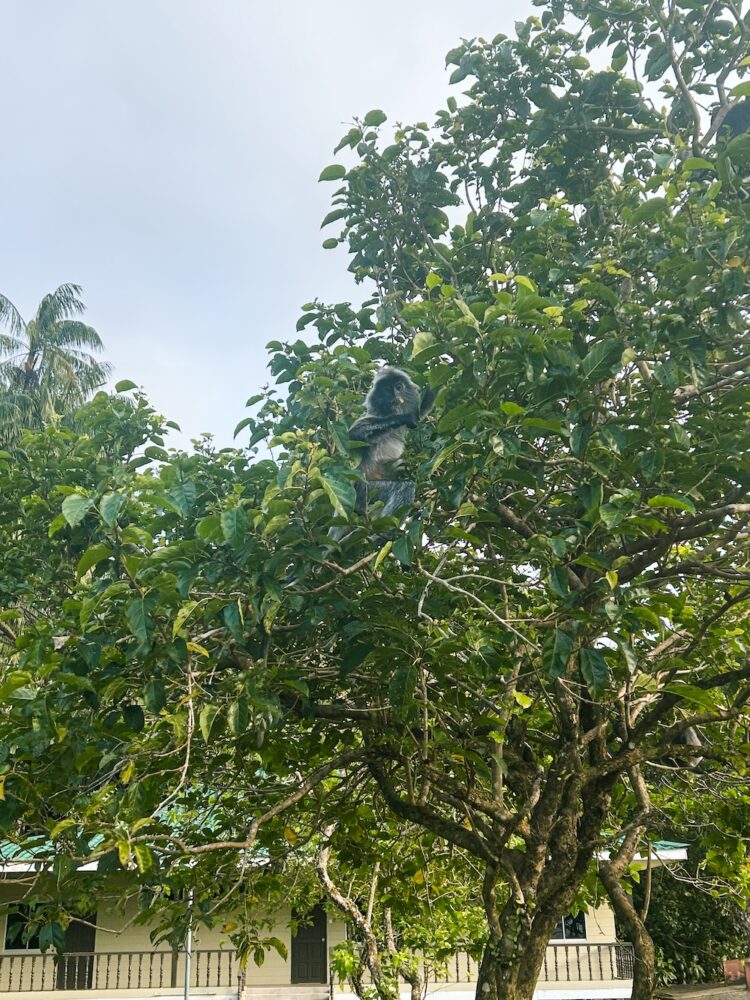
{"points": [[693, 930], [190, 654]]}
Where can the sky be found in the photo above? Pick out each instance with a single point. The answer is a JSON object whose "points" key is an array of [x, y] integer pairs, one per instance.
{"points": [[164, 154]]}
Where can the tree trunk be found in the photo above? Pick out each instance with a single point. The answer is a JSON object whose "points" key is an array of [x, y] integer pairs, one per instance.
{"points": [[510, 967], [644, 978]]}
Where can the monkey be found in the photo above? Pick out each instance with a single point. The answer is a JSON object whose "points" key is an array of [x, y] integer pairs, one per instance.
{"points": [[736, 121], [687, 738], [392, 406]]}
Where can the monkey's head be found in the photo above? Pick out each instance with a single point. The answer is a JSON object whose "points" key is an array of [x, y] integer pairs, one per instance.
{"points": [[392, 392]]}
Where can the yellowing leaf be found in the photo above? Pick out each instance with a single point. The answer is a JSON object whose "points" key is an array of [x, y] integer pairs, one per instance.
{"points": [[127, 772], [290, 836], [383, 553], [182, 616], [418, 877], [195, 647], [422, 341], [523, 699]]}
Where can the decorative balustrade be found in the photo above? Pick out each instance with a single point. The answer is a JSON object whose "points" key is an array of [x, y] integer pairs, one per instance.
{"points": [[564, 962], [32, 972], [116, 970]]}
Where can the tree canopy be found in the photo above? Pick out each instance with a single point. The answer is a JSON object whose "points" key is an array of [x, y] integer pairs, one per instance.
{"points": [[509, 666], [47, 368]]}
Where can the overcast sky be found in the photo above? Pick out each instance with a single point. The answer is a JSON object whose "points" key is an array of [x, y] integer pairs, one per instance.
{"points": [[164, 154]]}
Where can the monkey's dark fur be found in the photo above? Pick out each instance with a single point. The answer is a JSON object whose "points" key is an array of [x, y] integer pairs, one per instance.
{"points": [[392, 406], [736, 121]]}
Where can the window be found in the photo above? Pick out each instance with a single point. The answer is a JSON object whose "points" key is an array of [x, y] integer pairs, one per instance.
{"points": [[570, 928], [15, 926]]}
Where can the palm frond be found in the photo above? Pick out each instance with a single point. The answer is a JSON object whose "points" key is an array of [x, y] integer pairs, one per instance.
{"points": [[73, 333], [12, 345], [64, 302], [51, 371], [16, 414], [11, 317]]}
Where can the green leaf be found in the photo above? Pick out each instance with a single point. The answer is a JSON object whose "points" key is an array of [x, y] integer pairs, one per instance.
{"points": [[93, 555], [139, 620], [652, 463], [132, 716], [52, 935], [238, 716], [234, 526], [594, 670], [675, 503], [706, 700], [75, 507], [556, 653], [183, 494], [245, 422], [697, 163], [333, 173], [402, 551], [156, 453], [125, 385], [56, 525], [558, 581], [133, 535], [375, 117], [742, 89], [110, 506], [422, 341], [207, 719], [401, 690], [338, 213], [154, 695], [649, 211], [340, 492], [209, 528], [444, 454], [603, 359]]}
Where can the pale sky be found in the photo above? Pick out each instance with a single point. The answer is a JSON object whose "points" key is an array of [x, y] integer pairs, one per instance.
{"points": [[164, 154]]}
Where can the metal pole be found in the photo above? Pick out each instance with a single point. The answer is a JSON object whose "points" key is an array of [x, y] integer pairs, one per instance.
{"points": [[188, 947]]}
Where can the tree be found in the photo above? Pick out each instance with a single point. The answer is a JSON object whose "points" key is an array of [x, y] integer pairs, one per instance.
{"points": [[48, 369], [410, 903], [505, 664]]}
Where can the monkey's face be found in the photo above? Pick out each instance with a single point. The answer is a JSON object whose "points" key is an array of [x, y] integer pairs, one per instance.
{"points": [[393, 392]]}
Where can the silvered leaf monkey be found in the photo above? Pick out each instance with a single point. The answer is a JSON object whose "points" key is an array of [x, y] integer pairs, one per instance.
{"points": [[392, 406]]}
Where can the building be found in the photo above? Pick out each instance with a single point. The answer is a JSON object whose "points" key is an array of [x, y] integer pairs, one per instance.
{"points": [[110, 955]]}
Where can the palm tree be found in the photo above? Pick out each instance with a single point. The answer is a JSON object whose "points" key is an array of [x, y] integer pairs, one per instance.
{"points": [[45, 369]]}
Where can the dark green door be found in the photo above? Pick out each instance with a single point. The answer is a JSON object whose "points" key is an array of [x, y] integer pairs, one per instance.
{"points": [[75, 968], [310, 948]]}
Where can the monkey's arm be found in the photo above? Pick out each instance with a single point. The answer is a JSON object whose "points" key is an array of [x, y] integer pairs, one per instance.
{"points": [[368, 428]]}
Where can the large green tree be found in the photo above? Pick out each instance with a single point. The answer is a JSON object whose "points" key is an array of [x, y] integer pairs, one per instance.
{"points": [[47, 366], [565, 263]]}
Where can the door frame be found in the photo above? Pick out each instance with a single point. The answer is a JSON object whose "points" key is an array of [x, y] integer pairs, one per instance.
{"points": [[324, 949]]}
